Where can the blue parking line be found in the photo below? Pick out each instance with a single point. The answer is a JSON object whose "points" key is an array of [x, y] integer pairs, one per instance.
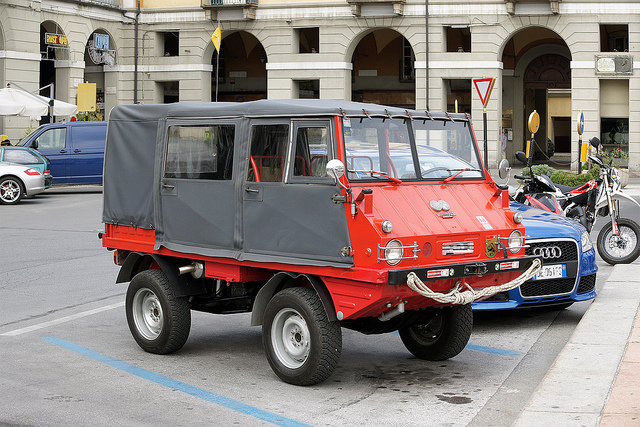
{"points": [[177, 385], [484, 349], [491, 350]]}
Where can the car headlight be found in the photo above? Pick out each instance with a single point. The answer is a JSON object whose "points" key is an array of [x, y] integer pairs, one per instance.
{"points": [[393, 252], [516, 241], [585, 241]]}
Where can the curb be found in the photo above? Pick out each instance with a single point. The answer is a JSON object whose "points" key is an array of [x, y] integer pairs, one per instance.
{"points": [[578, 384], [74, 189]]}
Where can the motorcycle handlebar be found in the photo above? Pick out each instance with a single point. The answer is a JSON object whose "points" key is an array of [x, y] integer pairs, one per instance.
{"points": [[521, 177]]}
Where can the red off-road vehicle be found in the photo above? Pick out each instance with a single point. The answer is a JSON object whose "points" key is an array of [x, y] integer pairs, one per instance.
{"points": [[313, 215]]}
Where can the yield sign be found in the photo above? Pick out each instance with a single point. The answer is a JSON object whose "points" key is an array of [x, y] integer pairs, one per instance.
{"points": [[484, 87]]}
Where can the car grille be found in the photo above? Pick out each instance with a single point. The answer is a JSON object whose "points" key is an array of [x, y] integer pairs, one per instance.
{"points": [[542, 288], [569, 249], [539, 288], [587, 284]]}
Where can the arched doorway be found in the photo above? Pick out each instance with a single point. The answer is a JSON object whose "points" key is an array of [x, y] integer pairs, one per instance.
{"points": [[537, 76], [383, 70], [242, 71], [99, 51], [53, 46]]}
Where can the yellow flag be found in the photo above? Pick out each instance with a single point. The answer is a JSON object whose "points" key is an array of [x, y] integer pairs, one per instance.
{"points": [[216, 38]]}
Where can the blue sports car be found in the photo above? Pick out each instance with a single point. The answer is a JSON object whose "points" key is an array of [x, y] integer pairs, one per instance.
{"points": [[569, 268]]}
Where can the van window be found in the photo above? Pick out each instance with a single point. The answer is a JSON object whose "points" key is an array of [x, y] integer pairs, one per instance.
{"points": [[313, 150], [89, 136], [268, 152], [200, 152], [52, 139]]}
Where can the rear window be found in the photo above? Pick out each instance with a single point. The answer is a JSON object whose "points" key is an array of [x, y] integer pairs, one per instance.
{"points": [[89, 136], [22, 157]]}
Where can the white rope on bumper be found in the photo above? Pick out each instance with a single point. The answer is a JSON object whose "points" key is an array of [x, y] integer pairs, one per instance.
{"points": [[454, 296]]}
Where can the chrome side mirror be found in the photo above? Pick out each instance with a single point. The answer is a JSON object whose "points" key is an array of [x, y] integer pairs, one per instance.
{"points": [[504, 169], [335, 169]]}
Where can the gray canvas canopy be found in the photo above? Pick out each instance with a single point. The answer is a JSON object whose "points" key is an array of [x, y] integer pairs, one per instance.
{"points": [[296, 224]]}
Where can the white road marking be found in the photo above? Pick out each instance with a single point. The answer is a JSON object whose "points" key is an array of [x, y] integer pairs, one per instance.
{"points": [[61, 320]]}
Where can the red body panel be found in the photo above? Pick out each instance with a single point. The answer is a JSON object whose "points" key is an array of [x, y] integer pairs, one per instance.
{"points": [[478, 213]]}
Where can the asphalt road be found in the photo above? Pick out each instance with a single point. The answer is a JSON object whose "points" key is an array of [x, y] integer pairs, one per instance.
{"points": [[68, 357]]}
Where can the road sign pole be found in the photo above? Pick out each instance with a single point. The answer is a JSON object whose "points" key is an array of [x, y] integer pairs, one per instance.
{"points": [[484, 86], [486, 148]]}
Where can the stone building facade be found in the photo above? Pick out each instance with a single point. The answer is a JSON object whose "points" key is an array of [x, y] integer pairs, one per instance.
{"points": [[562, 59]]}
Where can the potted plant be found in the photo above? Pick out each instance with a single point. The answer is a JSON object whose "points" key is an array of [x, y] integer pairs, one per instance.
{"points": [[618, 158]]}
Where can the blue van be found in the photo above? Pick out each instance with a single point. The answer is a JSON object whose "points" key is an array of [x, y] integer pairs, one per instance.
{"points": [[75, 150]]}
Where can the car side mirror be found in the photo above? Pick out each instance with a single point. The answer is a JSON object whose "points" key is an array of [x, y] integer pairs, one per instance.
{"points": [[335, 169], [504, 169], [34, 144]]}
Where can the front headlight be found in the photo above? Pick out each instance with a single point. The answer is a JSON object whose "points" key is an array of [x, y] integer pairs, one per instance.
{"points": [[585, 241], [516, 241], [393, 252]]}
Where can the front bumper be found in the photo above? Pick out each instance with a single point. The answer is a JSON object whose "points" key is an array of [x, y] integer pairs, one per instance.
{"points": [[459, 271]]}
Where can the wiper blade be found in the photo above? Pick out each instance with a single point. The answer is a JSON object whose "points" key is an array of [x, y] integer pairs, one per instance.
{"points": [[396, 180], [460, 171]]}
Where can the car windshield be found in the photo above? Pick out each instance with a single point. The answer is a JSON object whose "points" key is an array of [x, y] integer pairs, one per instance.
{"points": [[383, 149]]}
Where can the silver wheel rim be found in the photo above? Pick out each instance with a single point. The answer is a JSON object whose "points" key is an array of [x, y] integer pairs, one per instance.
{"points": [[10, 191], [290, 338], [623, 245], [147, 314]]}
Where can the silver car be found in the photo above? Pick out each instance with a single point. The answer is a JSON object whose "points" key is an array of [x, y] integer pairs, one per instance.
{"points": [[18, 180]]}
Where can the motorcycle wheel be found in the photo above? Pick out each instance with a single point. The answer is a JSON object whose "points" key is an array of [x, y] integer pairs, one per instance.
{"points": [[622, 249]]}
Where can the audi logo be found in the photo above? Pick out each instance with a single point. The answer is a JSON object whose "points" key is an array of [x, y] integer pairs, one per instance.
{"points": [[548, 252]]}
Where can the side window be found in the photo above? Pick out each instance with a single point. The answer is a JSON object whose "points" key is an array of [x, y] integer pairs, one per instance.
{"points": [[89, 136], [313, 150], [268, 152], [22, 157], [52, 139], [200, 152]]}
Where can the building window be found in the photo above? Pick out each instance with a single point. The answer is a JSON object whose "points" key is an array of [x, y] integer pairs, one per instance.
{"points": [[458, 93], [308, 40], [170, 92], [614, 38], [200, 152], [458, 38], [170, 41], [406, 63], [614, 115], [308, 89]]}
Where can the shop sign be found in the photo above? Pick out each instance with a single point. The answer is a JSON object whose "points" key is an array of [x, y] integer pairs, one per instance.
{"points": [[55, 39], [614, 64]]}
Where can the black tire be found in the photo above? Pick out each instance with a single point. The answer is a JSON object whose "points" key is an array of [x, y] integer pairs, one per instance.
{"points": [[158, 321], [623, 249], [442, 336], [302, 346], [11, 190]]}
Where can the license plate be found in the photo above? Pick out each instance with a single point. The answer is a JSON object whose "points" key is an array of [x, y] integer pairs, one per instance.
{"points": [[551, 272]]}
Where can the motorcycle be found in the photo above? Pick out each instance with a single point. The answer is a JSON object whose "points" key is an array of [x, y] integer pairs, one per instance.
{"points": [[618, 241]]}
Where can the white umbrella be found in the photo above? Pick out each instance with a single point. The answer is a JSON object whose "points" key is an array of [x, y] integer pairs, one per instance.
{"points": [[32, 105], [9, 108]]}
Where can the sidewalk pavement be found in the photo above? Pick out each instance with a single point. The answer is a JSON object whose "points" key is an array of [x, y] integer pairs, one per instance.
{"points": [[595, 380]]}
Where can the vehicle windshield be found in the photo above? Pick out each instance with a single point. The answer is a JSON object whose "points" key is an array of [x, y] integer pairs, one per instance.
{"points": [[24, 140], [383, 148]]}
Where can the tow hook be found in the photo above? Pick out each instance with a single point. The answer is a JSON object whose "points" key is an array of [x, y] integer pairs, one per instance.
{"points": [[477, 269], [388, 315]]}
